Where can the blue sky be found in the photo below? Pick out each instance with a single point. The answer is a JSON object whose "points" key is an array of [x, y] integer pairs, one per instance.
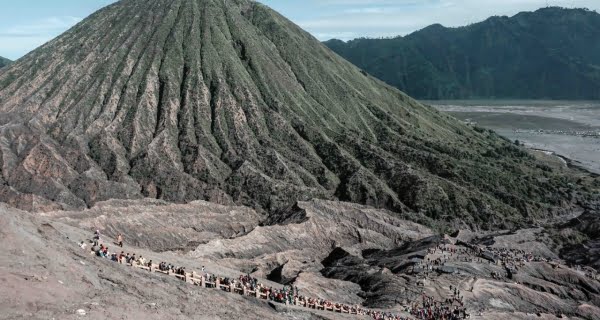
{"points": [[27, 24]]}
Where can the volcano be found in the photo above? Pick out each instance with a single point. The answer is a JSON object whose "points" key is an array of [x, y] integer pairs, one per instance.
{"points": [[230, 102]]}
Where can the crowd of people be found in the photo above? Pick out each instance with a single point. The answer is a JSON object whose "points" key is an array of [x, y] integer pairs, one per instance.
{"points": [[427, 309], [516, 256], [511, 259], [430, 309], [287, 295], [444, 253]]}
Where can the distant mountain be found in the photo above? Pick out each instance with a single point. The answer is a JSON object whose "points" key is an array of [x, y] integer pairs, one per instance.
{"points": [[4, 62], [550, 53]]}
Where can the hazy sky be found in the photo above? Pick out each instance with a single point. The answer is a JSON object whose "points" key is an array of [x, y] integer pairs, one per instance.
{"points": [[26, 24]]}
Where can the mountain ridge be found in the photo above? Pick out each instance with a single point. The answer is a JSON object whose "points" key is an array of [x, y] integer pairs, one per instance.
{"points": [[546, 54], [228, 101], [4, 62]]}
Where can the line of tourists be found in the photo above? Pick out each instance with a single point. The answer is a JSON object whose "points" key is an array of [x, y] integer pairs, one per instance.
{"points": [[429, 310]]}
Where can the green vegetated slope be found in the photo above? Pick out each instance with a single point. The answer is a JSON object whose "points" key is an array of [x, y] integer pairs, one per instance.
{"points": [[228, 101], [4, 62], [549, 53]]}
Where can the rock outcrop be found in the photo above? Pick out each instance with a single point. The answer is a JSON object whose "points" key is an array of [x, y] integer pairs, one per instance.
{"points": [[162, 226], [582, 237], [391, 277]]}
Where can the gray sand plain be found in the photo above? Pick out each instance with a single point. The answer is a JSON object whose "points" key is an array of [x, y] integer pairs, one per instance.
{"points": [[570, 129]]}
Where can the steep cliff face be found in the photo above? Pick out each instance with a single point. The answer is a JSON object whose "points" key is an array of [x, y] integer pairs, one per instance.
{"points": [[228, 101]]}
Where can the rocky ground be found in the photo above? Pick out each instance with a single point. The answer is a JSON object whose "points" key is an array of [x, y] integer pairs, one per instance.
{"points": [[216, 122], [336, 251], [46, 275]]}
